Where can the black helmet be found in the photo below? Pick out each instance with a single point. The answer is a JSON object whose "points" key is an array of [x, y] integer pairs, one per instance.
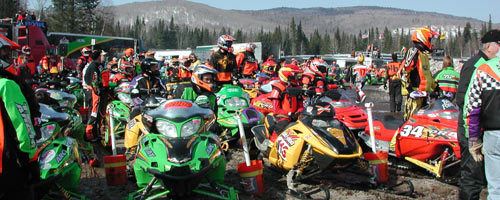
{"points": [[149, 66]]}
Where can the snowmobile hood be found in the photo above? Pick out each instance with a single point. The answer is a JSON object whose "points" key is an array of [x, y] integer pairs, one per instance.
{"points": [[179, 110]]}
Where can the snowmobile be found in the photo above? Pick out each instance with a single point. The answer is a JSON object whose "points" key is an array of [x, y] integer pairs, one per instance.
{"points": [[428, 139], [232, 100], [348, 113], [179, 156], [117, 110], [314, 143], [59, 158]]}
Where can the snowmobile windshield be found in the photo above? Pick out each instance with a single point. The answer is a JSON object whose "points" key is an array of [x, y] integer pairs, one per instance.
{"points": [[65, 100], [443, 108], [335, 134], [336, 98]]}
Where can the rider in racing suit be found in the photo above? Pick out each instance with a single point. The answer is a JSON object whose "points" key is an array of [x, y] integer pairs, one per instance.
{"points": [[246, 62], [415, 74], [202, 83], [224, 61], [285, 104], [359, 72]]}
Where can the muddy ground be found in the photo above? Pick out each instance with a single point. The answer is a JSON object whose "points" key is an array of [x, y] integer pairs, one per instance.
{"points": [[341, 185]]}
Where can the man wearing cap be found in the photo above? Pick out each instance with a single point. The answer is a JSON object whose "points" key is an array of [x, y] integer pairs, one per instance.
{"points": [[472, 177]]}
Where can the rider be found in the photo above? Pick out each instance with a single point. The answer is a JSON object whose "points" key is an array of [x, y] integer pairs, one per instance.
{"points": [[448, 78], [83, 60], [224, 61], [202, 83], [146, 85], [18, 151], [127, 73], [96, 79], [183, 73], [314, 76], [246, 62], [415, 74], [285, 104], [194, 61], [359, 72], [394, 84]]}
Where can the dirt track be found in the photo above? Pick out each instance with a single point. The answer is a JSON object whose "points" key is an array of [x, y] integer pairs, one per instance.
{"points": [[93, 183]]}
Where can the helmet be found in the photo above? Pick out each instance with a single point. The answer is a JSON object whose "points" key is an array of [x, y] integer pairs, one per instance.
{"points": [[423, 36], [197, 77], [319, 67], [150, 67], [361, 59], [250, 47], [225, 42], [127, 69], [290, 74], [26, 50], [113, 66], [85, 52], [268, 67], [129, 52]]}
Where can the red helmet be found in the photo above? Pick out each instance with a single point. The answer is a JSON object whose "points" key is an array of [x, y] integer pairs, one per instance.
{"points": [[85, 52], [127, 68], [290, 74], [129, 52], [250, 47], [318, 67], [269, 67], [26, 50], [423, 36], [225, 42]]}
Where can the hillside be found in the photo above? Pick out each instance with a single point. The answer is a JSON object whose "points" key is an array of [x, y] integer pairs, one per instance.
{"points": [[349, 19]]}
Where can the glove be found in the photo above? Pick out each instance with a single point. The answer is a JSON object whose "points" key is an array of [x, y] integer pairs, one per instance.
{"points": [[475, 149], [417, 94]]}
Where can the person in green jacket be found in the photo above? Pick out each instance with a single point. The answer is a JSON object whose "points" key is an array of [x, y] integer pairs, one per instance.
{"points": [[447, 79], [19, 168], [201, 89]]}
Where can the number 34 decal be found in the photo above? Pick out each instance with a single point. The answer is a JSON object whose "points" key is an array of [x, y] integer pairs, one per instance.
{"points": [[410, 130]]}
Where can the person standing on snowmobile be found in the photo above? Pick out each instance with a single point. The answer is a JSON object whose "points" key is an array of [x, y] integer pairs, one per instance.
{"points": [[359, 72], [202, 83], [224, 61], [415, 74], [314, 76], [395, 98]]}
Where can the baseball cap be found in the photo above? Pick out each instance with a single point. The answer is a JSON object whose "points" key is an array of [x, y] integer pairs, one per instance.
{"points": [[491, 36]]}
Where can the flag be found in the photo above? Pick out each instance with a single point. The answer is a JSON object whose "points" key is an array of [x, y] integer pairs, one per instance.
{"points": [[366, 35], [381, 36]]}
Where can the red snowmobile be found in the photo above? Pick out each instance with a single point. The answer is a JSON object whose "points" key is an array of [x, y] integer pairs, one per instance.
{"points": [[428, 139]]}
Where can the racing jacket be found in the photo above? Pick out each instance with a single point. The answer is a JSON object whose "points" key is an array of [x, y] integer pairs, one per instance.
{"points": [[359, 72], [190, 93], [95, 77], [81, 63], [247, 64], [143, 87], [18, 118], [392, 69], [224, 63], [447, 79], [481, 100], [284, 103], [415, 72]]}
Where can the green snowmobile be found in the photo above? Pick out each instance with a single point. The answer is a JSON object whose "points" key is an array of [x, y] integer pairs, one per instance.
{"points": [[179, 157]]}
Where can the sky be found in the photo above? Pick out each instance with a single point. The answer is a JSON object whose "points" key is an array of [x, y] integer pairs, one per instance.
{"points": [[478, 9]]}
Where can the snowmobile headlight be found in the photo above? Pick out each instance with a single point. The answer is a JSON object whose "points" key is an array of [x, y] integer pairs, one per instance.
{"points": [[47, 131], [190, 127], [125, 98], [236, 102], [166, 128], [448, 115]]}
